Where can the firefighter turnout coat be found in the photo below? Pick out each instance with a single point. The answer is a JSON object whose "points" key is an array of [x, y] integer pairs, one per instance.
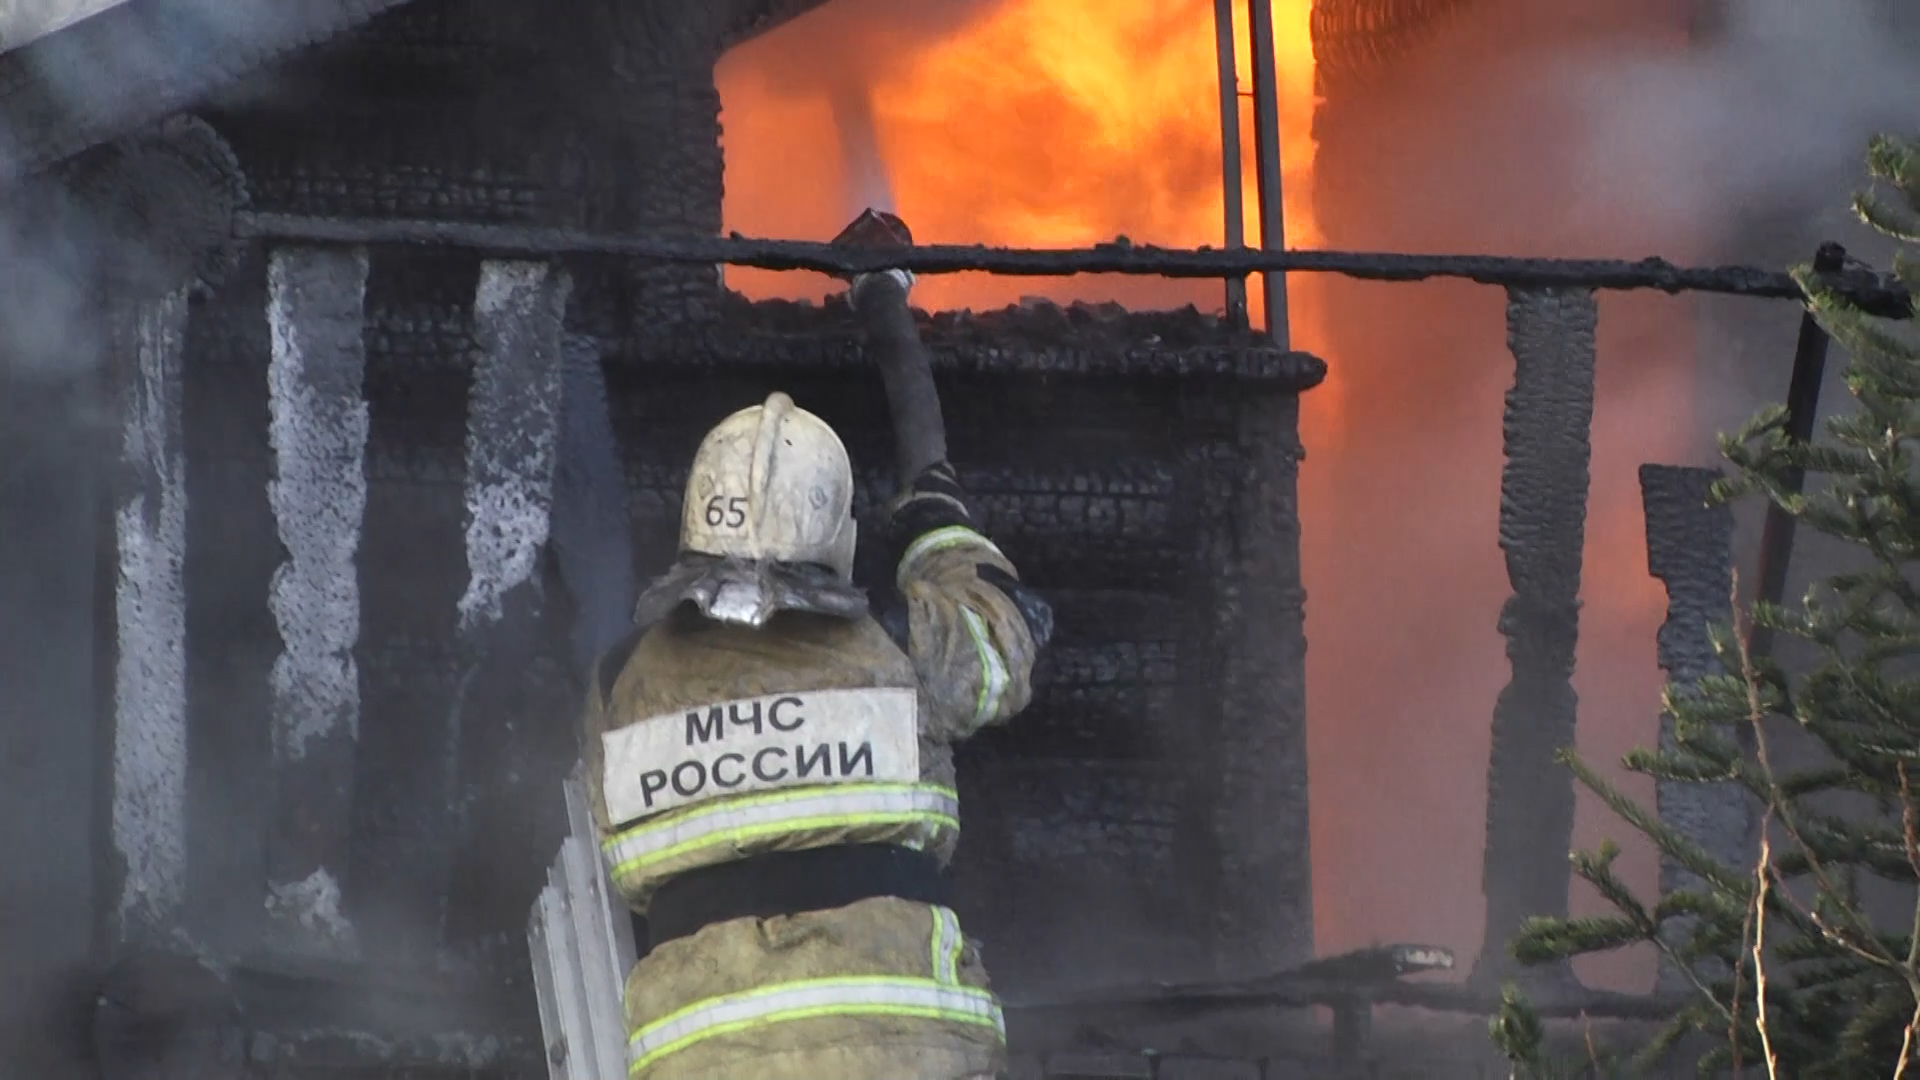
{"points": [[717, 742]]}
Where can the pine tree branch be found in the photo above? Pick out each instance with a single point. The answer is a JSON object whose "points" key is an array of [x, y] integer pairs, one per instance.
{"points": [[1873, 951], [1762, 873], [1833, 994]]}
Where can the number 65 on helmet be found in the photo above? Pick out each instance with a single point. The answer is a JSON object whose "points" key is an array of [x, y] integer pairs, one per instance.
{"points": [[771, 483]]}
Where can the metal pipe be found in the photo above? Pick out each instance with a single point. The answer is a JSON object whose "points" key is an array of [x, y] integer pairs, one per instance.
{"points": [[1266, 145], [1803, 405], [1232, 187]]}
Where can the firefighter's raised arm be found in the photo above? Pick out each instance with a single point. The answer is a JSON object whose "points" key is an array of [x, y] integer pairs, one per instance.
{"points": [[973, 628]]}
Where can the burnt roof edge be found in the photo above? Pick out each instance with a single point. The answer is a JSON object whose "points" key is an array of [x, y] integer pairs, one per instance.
{"points": [[1034, 337], [53, 104], [758, 17]]}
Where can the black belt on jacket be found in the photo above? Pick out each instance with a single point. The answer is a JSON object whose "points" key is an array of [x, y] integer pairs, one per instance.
{"points": [[790, 882]]}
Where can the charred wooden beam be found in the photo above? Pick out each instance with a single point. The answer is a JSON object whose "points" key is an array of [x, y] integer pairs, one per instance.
{"points": [[1160, 1003], [150, 604], [1543, 509], [512, 440], [513, 423], [592, 521], [1689, 548], [1259, 807], [233, 638], [318, 431], [1879, 294], [151, 218], [1032, 338]]}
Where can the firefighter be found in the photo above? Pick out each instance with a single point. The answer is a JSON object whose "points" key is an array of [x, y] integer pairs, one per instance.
{"points": [[769, 755]]}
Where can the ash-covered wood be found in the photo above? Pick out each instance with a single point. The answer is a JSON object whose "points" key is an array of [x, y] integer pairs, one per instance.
{"points": [[316, 303], [1543, 513], [149, 776], [508, 627], [1689, 548]]}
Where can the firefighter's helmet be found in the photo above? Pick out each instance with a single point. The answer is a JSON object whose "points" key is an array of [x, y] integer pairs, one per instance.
{"points": [[771, 483]]}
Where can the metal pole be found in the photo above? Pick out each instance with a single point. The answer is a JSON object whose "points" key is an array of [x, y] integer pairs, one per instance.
{"points": [[1803, 404], [1231, 184], [1266, 144]]}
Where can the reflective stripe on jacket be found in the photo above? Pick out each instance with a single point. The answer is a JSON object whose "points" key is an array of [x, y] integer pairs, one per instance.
{"points": [[884, 989], [924, 817], [972, 650]]}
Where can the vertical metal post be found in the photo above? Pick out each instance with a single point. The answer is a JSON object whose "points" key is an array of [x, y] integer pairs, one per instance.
{"points": [[1231, 186], [1803, 405], [1266, 146]]}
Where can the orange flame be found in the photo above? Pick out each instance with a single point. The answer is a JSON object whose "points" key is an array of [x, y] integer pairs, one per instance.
{"points": [[1034, 123]]}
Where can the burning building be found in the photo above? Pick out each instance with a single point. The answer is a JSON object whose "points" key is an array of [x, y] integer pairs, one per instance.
{"points": [[334, 518], [363, 508]]}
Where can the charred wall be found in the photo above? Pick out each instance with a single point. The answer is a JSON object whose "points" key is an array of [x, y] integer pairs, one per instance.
{"points": [[353, 786]]}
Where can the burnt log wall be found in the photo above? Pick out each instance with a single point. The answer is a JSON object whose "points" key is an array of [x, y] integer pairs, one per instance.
{"points": [[1105, 837]]}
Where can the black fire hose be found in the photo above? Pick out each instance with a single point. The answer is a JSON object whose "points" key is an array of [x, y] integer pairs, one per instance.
{"points": [[920, 434]]}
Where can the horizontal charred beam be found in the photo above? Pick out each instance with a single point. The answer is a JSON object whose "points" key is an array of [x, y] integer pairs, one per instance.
{"points": [[1878, 294], [348, 1017], [786, 340], [1033, 337], [1169, 1003]]}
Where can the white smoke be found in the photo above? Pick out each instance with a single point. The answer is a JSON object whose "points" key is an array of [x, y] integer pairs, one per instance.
{"points": [[1769, 116]]}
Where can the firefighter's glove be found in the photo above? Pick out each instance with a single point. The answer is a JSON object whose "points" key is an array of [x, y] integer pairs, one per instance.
{"points": [[935, 501], [863, 284]]}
